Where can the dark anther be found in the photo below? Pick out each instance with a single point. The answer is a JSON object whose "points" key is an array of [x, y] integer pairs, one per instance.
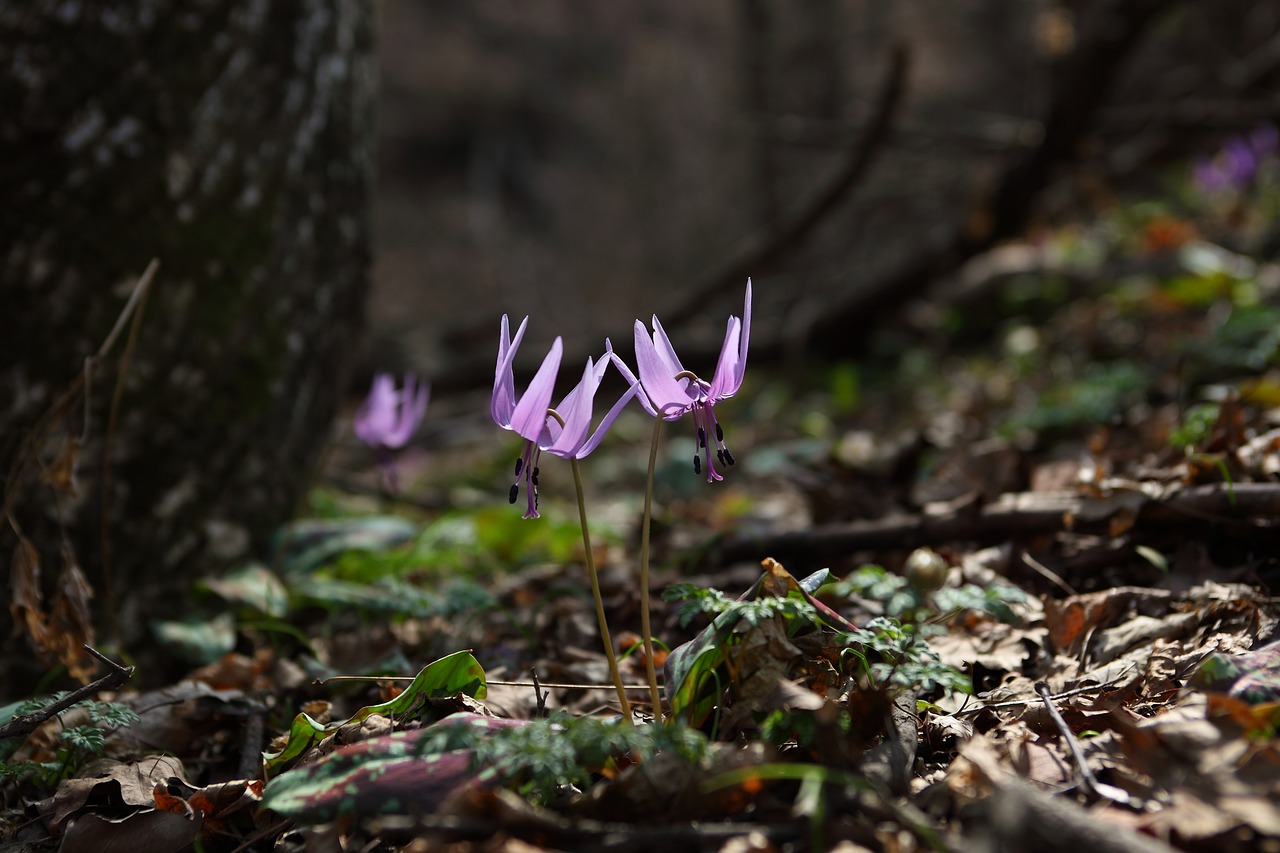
{"points": [[519, 465], [534, 477], [697, 464], [719, 433], [720, 456], [728, 457], [702, 437], [515, 492]]}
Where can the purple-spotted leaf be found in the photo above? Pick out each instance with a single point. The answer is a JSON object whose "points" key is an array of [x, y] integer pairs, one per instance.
{"points": [[382, 775], [457, 673]]}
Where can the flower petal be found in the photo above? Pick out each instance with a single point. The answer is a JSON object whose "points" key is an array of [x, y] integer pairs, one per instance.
{"points": [[722, 384], [611, 416], [666, 393], [412, 408], [576, 411], [662, 344], [530, 416], [630, 377], [503, 402]]}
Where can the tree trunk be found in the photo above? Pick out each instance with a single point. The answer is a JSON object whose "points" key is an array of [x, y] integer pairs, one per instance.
{"points": [[232, 141]]}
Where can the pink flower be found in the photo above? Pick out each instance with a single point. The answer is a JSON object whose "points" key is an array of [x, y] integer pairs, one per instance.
{"points": [[671, 392], [561, 431]]}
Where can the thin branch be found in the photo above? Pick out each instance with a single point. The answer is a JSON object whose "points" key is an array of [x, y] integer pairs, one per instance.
{"points": [[24, 724], [1248, 507], [791, 235], [1112, 31], [36, 436]]}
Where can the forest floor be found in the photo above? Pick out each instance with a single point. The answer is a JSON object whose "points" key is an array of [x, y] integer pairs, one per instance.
{"points": [[1004, 583]]}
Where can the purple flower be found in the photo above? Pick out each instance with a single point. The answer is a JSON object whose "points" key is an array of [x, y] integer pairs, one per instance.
{"points": [[1236, 165], [387, 418], [671, 392], [561, 431]]}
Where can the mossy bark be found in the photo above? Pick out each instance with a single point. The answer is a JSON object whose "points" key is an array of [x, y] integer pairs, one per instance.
{"points": [[231, 140]]}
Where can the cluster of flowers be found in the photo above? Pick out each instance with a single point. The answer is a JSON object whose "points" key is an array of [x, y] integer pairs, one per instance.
{"points": [[1235, 166], [665, 389]]}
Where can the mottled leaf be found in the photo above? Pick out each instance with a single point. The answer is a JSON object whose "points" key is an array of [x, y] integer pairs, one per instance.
{"points": [[457, 673]]}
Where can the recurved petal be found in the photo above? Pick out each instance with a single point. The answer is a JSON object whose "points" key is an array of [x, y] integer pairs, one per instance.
{"points": [[576, 410], [726, 380], [612, 415], [662, 344], [665, 391], [530, 416], [629, 376], [412, 408], [503, 402]]}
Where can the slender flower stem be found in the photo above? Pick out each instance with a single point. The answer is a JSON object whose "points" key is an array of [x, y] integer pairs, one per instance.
{"points": [[645, 631], [595, 593]]}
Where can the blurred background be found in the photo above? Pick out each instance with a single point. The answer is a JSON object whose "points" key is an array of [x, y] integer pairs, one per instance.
{"points": [[592, 163], [1010, 218]]}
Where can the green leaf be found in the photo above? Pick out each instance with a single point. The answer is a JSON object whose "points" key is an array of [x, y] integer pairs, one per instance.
{"points": [[457, 673]]}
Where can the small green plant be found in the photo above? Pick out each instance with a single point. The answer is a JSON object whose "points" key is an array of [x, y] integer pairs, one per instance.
{"points": [[546, 758], [889, 653], [904, 600], [74, 746], [695, 600]]}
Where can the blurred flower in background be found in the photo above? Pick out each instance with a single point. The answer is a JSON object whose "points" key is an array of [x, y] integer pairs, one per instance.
{"points": [[1236, 165], [388, 418]]}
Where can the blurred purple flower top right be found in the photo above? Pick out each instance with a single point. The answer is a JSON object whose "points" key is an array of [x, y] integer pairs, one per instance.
{"points": [[1236, 165]]}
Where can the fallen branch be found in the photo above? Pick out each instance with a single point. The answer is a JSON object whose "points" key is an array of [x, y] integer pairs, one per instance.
{"points": [[766, 253], [1112, 30], [25, 724], [1251, 506]]}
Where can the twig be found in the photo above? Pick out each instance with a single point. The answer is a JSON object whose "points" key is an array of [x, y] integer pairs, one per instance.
{"points": [[37, 433], [1017, 515], [541, 710], [138, 305], [24, 724], [1106, 39], [1047, 573], [1088, 782], [1018, 703], [791, 236], [489, 681]]}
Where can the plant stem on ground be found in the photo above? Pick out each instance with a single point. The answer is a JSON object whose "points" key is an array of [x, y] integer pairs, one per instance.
{"points": [[645, 631], [595, 593]]}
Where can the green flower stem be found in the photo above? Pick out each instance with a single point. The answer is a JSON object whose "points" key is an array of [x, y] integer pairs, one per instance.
{"points": [[645, 631], [595, 593]]}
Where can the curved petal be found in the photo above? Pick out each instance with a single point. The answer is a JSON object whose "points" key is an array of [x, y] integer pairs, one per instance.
{"points": [[611, 416], [503, 402], [662, 344], [665, 392], [630, 377], [412, 408], [576, 411], [746, 337], [722, 384], [530, 416], [376, 414]]}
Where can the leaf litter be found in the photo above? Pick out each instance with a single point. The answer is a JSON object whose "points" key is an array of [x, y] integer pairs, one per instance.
{"points": [[1010, 607]]}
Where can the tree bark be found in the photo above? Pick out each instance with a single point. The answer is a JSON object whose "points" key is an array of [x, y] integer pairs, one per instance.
{"points": [[231, 140]]}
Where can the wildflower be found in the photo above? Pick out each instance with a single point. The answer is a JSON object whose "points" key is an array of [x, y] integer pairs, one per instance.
{"points": [[1237, 164], [387, 419], [671, 392], [561, 431]]}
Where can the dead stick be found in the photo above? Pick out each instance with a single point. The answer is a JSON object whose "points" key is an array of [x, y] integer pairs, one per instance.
{"points": [[1247, 507], [24, 724]]}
